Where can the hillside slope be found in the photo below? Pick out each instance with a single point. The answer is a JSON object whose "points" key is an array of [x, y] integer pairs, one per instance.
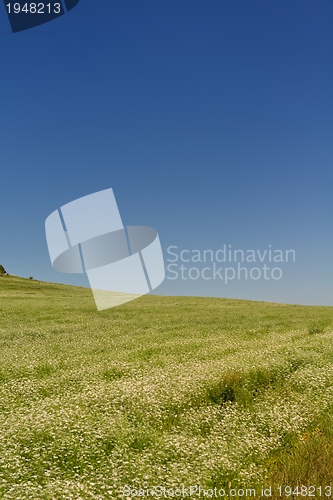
{"points": [[162, 391]]}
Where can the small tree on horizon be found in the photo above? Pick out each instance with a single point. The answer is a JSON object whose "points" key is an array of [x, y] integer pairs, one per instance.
{"points": [[2, 270]]}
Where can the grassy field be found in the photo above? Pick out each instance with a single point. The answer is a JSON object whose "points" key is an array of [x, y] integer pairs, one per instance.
{"points": [[162, 391]]}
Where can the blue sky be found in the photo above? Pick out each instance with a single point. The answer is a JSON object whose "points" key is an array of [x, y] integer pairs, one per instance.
{"points": [[211, 121]]}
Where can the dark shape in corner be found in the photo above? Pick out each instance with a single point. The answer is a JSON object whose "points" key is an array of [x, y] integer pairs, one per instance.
{"points": [[70, 4], [24, 15]]}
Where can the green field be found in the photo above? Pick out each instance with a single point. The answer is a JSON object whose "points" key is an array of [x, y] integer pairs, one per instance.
{"points": [[162, 391]]}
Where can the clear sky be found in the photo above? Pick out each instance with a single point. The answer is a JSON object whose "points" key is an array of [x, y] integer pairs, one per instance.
{"points": [[211, 120]]}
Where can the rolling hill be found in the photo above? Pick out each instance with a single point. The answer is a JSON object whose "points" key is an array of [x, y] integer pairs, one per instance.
{"points": [[162, 392]]}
